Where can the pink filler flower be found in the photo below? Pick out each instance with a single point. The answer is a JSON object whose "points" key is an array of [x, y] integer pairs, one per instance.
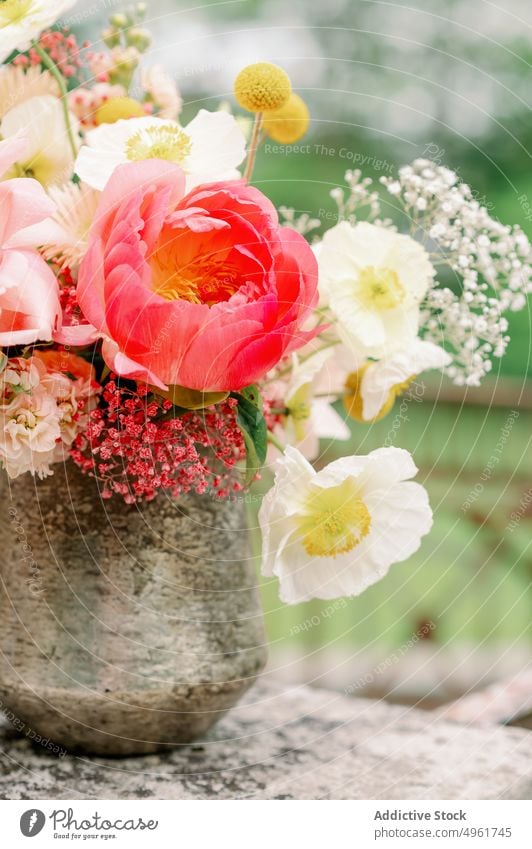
{"points": [[29, 292], [204, 291]]}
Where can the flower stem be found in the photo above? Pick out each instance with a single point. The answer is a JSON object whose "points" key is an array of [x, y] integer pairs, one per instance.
{"points": [[288, 369], [50, 65], [253, 145], [274, 441]]}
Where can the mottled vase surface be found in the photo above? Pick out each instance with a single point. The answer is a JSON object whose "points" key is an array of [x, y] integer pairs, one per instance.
{"points": [[123, 629]]}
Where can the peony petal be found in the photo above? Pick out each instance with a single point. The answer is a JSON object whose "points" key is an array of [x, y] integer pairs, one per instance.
{"points": [[125, 367], [23, 205], [29, 306]]}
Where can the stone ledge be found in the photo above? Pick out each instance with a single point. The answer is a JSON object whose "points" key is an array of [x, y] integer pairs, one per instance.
{"points": [[299, 743]]}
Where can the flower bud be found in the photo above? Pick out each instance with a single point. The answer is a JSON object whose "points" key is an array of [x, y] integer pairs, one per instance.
{"points": [[111, 37], [119, 20], [139, 37]]}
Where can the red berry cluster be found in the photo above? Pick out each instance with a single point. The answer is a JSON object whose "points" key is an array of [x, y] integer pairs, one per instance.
{"points": [[70, 308], [62, 48], [136, 444]]}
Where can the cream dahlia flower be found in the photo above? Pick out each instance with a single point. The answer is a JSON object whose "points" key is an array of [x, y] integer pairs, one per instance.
{"points": [[29, 420], [23, 20], [47, 156], [337, 531], [208, 149], [42, 410], [373, 280]]}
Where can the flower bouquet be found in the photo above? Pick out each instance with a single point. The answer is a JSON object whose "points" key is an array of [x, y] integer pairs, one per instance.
{"points": [[169, 333]]}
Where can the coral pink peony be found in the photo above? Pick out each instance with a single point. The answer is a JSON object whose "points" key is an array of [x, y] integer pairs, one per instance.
{"points": [[204, 290], [29, 292]]}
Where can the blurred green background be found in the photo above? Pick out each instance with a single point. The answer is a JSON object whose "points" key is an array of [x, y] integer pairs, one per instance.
{"points": [[386, 83]]}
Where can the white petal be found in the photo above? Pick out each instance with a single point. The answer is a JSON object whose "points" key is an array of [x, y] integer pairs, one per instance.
{"points": [[33, 19], [304, 372], [387, 466], [94, 166], [114, 137], [292, 474], [328, 424], [380, 377], [400, 517], [48, 147], [218, 147]]}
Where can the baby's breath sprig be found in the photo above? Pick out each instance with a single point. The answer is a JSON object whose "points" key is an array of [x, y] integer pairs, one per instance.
{"points": [[488, 262], [360, 202], [301, 222]]}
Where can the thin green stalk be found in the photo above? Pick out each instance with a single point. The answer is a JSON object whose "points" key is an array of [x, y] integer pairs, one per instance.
{"points": [[254, 145], [288, 369], [274, 441], [50, 65]]}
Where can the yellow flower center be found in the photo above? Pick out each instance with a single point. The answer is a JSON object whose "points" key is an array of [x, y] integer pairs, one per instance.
{"points": [[299, 409], [335, 520], [380, 288], [26, 419], [13, 11], [207, 279], [170, 143], [41, 168]]}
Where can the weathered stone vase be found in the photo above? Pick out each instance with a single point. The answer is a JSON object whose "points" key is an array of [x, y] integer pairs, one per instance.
{"points": [[123, 629]]}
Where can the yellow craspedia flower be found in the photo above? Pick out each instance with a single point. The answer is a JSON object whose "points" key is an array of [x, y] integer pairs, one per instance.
{"points": [[289, 123], [262, 87], [118, 107]]}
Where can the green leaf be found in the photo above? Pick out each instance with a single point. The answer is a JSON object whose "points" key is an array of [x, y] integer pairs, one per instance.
{"points": [[253, 426], [190, 399], [3, 361]]}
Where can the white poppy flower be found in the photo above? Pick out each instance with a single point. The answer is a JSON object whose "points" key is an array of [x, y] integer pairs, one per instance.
{"points": [[47, 153], [373, 280], [310, 419], [337, 531], [208, 149], [22, 20], [377, 384]]}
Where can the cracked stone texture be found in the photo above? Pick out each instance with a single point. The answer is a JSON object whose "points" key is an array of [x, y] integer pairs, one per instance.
{"points": [[298, 743]]}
